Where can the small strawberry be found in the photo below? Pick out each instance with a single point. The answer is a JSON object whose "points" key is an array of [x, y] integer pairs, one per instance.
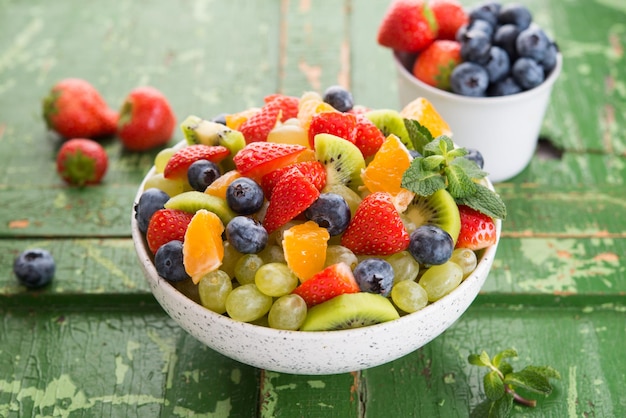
{"points": [[288, 105], [178, 164], [291, 196], [146, 119], [367, 137], [450, 16], [167, 225], [408, 25], [334, 280], [259, 158], [258, 126], [478, 230], [82, 161], [335, 123], [376, 228], [75, 109], [313, 170], [434, 65]]}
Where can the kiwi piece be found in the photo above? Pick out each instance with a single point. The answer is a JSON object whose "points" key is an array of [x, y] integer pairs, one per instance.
{"points": [[341, 158], [201, 131], [390, 122], [350, 310], [193, 201], [438, 209]]}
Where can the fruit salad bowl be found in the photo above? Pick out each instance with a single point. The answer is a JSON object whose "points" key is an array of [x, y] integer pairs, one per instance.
{"points": [[318, 352]]}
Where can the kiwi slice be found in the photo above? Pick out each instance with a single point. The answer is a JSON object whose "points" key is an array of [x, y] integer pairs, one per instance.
{"points": [[390, 122], [193, 201], [201, 131], [438, 209], [350, 310], [342, 159]]}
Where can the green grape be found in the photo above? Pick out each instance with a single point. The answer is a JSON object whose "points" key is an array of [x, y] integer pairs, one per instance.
{"points": [[466, 259], [405, 266], [161, 159], [246, 267], [189, 289], [214, 288], [231, 256], [409, 296], [441, 279], [339, 253], [171, 187], [287, 312], [272, 254], [246, 303], [275, 279]]}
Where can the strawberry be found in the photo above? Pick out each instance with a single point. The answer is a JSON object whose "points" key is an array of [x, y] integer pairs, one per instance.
{"points": [[167, 225], [258, 126], [435, 64], [288, 105], [291, 196], [335, 123], [478, 230], [367, 137], [75, 109], [408, 25], [146, 119], [313, 170], [82, 161], [450, 16], [376, 228], [177, 165], [259, 158], [334, 280]]}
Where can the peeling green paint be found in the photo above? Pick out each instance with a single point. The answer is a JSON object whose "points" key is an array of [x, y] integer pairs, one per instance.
{"points": [[316, 384]]}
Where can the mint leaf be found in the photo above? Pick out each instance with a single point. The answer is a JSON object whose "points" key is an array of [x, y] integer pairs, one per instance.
{"points": [[418, 134], [420, 181], [470, 167], [494, 386], [432, 162], [485, 201], [459, 183], [477, 360], [529, 380], [497, 359], [545, 371]]}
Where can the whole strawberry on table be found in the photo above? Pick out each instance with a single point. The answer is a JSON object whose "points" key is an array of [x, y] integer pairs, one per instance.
{"points": [[299, 215]]}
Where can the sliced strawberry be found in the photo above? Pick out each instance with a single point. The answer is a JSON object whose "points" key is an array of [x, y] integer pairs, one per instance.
{"points": [[259, 158], [367, 137], [359, 110], [176, 167], [334, 280], [167, 225], [478, 230], [258, 126], [313, 170], [288, 105], [408, 25], [335, 123], [376, 228], [291, 196]]}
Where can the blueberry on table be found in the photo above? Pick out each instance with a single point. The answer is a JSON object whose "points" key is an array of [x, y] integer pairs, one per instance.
{"points": [[515, 14], [244, 196], [339, 98], [330, 211], [469, 79], [431, 245], [374, 275], [528, 73], [246, 235], [202, 173], [150, 201], [168, 262], [34, 268]]}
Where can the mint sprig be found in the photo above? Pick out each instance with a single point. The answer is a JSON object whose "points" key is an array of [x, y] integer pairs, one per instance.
{"points": [[444, 166], [501, 383]]}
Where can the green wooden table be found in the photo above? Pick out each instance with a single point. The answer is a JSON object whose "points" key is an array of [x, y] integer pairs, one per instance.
{"points": [[95, 343]]}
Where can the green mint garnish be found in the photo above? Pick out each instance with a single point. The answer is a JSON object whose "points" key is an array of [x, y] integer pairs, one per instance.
{"points": [[442, 166], [501, 382]]}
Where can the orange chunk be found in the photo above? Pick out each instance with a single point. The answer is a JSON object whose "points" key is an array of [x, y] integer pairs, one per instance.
{"points": [[219, 186], [310, 104], [235, 120], [423, 111], [304, 246], [203, 249]]}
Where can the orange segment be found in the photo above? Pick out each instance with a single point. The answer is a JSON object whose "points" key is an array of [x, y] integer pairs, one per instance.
{"points": [[219, 186], [384, 172], [203, 249], [235, 120], [310, 104], [304, 246], [425, 113]]}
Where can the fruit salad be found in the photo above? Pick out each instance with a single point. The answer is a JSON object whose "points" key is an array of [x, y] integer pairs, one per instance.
{"points": [[312, 213]]}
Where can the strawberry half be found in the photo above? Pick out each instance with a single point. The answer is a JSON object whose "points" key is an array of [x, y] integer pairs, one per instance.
{"points": [[450, 16], [313, 170], [259, 158], [178, 164], [376, 228], [334, 280], [335, 123], [291, 196], [408, 25], [367, 137], [167, 225], [478, 230], [435, 64], [258, 126], [287, 104]]}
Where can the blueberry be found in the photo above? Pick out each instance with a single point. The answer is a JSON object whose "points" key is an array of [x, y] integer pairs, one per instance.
{"points": [[221, 118], [481, 26], [527, 73], [34, 268], [505, 37], [415, 154], [330, 211], [202, 173], [339, 98], [487, 11], [150, 201], [244, 196], [407, 59], [469, 79], [504, 87], [498, 65], [515, 14], [532, 43], [431, 245], [374, 275], [475, 155], [246, 235], [549, 60], [168, 262], [475, 47]]}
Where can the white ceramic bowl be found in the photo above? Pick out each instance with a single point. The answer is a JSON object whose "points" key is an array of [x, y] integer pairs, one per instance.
{"points": [[311, 353], [504, 129]]}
